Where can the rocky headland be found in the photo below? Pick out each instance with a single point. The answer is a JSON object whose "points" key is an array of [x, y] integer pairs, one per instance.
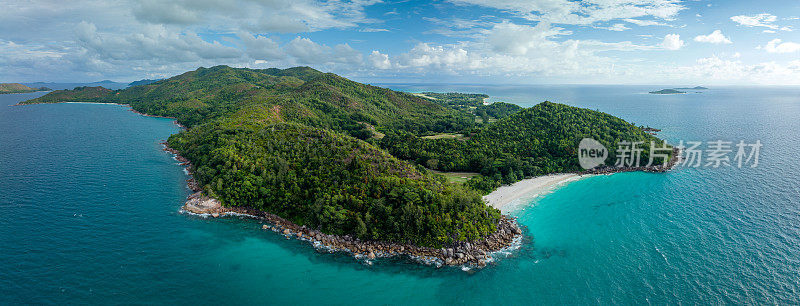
{"points": [[473, 254]]}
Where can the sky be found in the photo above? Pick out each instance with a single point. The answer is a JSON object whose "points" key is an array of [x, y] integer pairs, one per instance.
{"points": [[449, 41]]}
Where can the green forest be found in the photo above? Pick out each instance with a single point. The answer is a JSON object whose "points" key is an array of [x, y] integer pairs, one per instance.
{"points": [[353, 159]]}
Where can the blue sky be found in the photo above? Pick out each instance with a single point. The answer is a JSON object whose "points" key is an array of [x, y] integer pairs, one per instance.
{"points": [[453, 41]]}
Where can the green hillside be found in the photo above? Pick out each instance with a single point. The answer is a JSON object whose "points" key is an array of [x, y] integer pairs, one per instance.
{"points": [[9, 88], [539, 140], [79, 94], [309, 146]]}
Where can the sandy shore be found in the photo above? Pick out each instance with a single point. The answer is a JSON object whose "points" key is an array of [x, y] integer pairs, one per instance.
{"points": [[510, 197]]}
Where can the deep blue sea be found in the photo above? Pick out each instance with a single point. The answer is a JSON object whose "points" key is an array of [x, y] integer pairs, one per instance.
{"points": [[89, 214]]}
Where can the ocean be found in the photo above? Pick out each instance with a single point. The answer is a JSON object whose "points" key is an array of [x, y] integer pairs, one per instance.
{"points": [[90, 215]]}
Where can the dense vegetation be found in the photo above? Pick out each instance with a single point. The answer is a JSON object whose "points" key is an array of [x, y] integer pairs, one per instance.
{"points": [[79, 94], [539, 140], [333, 182], [9, 88], [350, 158], [143, 82]]}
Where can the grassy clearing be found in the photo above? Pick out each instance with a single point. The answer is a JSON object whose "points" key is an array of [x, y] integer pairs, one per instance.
{"points": [[447, 136], [457, 177]]}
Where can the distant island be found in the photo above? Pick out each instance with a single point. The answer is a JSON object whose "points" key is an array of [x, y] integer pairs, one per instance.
{"points": [[692, 88], [9, 88], [672, 91], [350, 166], [667, 92]]}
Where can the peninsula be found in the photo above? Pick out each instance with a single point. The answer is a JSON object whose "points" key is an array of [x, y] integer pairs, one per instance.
{"points": [[9, 88], [349, 166]]}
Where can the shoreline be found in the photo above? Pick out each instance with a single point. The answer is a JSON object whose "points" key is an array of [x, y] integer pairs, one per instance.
{"points": [[503, 197], [469, 254], [507, 198], [130, 108]]}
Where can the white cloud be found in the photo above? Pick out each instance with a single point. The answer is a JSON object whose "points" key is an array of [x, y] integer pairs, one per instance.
{"points": [[644, 23], [261, 47], [583, 12], [516, 50], [617, 27], [153, 43], [266, 16], [672, 42], [379, 60], [307, 52], [777, 46], [761, 20], [715, 37]]}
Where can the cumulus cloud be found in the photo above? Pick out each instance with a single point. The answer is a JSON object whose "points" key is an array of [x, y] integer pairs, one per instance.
{"points": [[715, 37], [379, 60], [261, 47], [778, 46], [511, 49], [672, 42], [307, 52]]}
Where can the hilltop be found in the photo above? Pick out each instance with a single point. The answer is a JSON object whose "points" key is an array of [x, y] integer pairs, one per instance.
{"points": [[350, 159]]}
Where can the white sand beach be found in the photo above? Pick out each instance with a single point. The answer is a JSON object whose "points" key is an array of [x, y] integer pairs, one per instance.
{"points": [[510, 197]]}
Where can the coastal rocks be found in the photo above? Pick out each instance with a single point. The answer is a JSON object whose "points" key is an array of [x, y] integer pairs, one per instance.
{"points": [[469, 254], [201, 204], [676, 157]]}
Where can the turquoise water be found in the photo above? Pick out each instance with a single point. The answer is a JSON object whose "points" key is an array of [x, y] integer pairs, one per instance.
{"points": [[90, 205]]}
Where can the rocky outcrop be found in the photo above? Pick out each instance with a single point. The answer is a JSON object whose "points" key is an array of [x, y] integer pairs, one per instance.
{"points": [[673, 161]]}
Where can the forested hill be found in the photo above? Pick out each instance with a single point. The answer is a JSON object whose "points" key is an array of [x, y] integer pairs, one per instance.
{"points": [[310, 147], [539, 140], [8, 88]]}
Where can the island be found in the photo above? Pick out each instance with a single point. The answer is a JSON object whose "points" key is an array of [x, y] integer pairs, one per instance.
{"points": [[667, 92], [693, 88], [363, 169], [9, 88]]}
